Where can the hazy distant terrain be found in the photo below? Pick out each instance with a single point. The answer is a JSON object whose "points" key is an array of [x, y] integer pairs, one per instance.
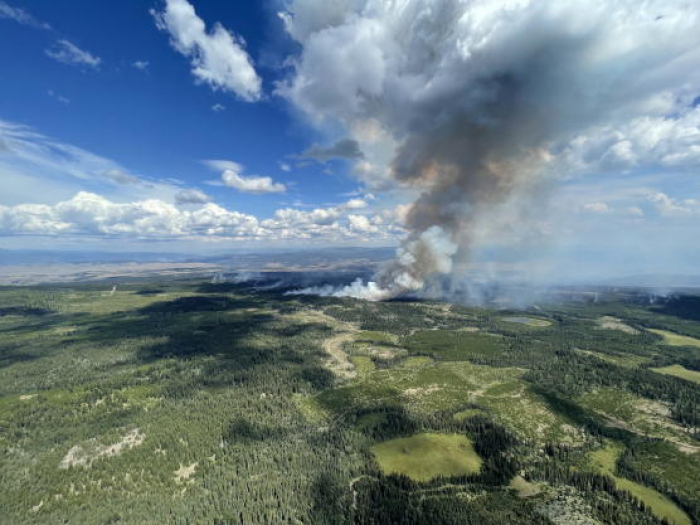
{"points": [[35, 267], [176, 400]]}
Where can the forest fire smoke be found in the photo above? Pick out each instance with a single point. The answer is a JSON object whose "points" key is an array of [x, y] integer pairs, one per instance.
{"points": [[483, 101]]}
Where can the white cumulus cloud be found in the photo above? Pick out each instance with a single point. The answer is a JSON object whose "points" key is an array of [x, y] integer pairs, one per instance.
{"points": [[252, 184], [88, 213], [94, 215], [218, 56], [361, 223], [669, 207], [356, 204], [232, 176]]}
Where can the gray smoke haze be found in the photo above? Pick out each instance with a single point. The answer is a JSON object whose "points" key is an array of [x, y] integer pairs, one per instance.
{"points": [[481, 104]]}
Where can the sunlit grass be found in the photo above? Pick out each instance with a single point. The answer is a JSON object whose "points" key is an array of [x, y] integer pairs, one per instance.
{"points": [[604, 461], [673, 339], [423, 457], [679, 371]]}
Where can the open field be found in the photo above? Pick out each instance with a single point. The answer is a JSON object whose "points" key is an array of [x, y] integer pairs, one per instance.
{"points": [[423, 457], [529, 321], [674, 339], [612, 323], [626, 360], [679, 371]]}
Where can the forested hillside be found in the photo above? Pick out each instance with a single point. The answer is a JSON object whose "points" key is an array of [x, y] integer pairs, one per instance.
{"points": [[197, 403]]}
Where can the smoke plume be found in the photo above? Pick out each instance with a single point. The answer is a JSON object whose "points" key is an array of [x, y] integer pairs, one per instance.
{"points": [[480, 104]]}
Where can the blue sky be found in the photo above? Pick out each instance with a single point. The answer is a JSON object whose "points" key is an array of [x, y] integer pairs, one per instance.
{"points": [[199, 125], [133, 101], [157, 121]]}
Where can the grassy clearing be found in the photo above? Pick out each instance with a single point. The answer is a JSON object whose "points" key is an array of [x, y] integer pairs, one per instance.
{"points": [[634, 413], [414, 362], [527, 321], [378, 345], [426, 386], [373, 336], [674, 339], [515, 406], [679, 371], [309, 408], [604, 461], [363, 364], [466, 414], [613, 323], [627, 360], [524, 488], [423, 457]]}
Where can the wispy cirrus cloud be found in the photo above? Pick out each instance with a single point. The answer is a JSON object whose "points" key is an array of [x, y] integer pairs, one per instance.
{"points": [[31, 160], [120, 177], [62, 50], [67, 52], [21, 16], [58, 97]]}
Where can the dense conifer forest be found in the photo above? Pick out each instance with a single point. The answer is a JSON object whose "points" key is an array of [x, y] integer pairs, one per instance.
{"points": [[195, 403]]}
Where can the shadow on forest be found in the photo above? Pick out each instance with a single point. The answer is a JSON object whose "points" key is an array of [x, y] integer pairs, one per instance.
{"points": [[331, 500], [150, 291], [219, 326], [34, 320], [9, 357], [684, 307], [278, 295], [24, 311], [581, 417], [200, 304], [241, 333]]}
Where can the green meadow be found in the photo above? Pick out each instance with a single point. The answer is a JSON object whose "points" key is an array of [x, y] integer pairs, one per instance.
{"points": [[673, 339], [679, 371], [423, 457]]}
